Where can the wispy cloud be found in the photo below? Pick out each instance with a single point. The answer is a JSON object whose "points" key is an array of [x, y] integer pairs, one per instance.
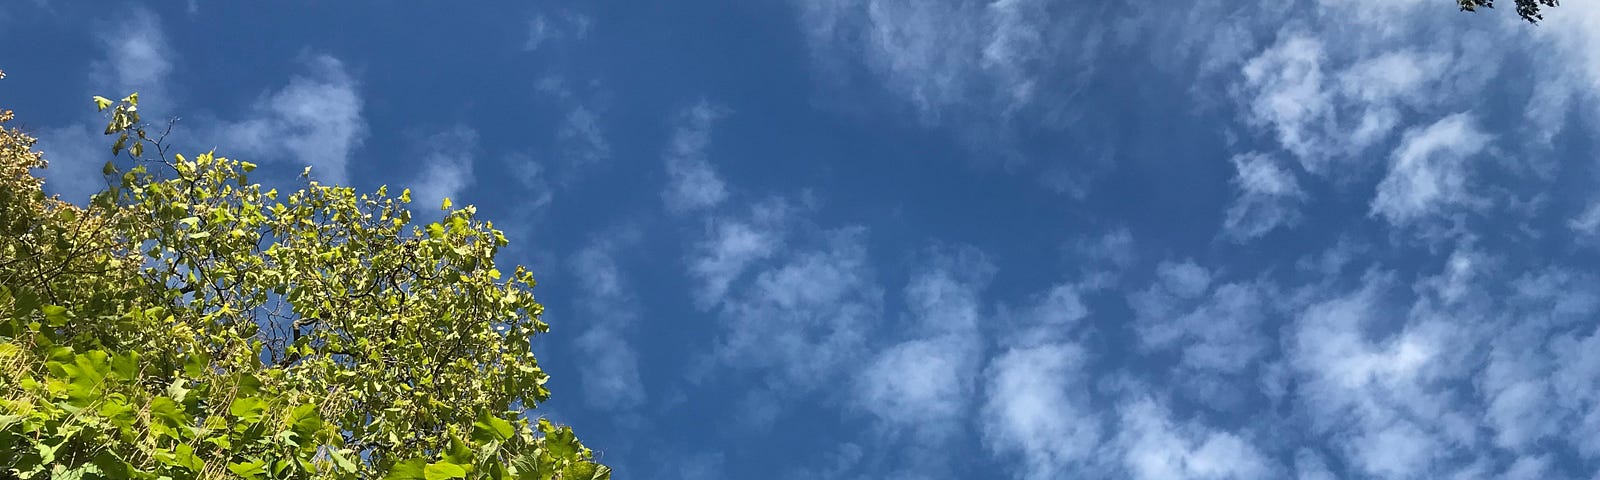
{"points": [[1269, 197], [971, 67], [316, 120], [1037, 407], [580, 140], [921, 388], [729, 250], [76, 154], [547, 27], [693, 184], [1430, 170], [1215, 328], [804, 315], [446, 159], [137, 57], [610, 377], [1157, 446]]}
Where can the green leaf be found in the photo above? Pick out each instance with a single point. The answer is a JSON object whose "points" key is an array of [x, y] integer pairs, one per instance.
{"points": [[443, 471], [137, 149], [339, 460], [109, 168], [250, 469], [55, 315], [247, 409], [197, 364], [413, 469], [489, 428], [101, 103]]}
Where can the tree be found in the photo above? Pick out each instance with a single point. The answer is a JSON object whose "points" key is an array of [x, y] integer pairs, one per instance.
{"points": [[188, 323], [1527, 9]]}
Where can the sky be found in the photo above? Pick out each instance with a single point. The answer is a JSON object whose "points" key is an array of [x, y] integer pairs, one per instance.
{"points": [[902, 239]]}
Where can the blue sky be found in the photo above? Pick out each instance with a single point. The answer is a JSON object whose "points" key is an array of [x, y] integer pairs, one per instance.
{"points": [[953, 239]]}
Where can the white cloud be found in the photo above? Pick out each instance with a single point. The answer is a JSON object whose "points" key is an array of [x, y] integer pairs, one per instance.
{"points": [[610, 375], [1588, 222], [534, 178], [446, 166], [1037, 407], [581, 142], [1577, 385], [137, 59], [728, 251], [1155, 446], [971, 67], [315, 120], [554, 27], [1220, 333], [920, 384], [806, 318], [920, 390], [610, 371], [1570, 71], [1326, 106], [1388, 403], [1269, 197], [1309, 466], [1430, 170], [1290, 97], [693, 183], [923, 383], [76, 156]]}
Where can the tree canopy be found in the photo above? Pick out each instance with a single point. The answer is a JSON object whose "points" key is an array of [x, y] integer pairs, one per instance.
{"points": [[1527, 9], [189, 323]]}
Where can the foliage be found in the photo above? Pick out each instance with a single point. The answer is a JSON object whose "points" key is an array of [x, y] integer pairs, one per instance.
{"points": [[1528, 9], [188, 323]]}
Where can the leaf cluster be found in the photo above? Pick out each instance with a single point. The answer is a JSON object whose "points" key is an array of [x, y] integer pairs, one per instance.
{"points": [[189, 323]]}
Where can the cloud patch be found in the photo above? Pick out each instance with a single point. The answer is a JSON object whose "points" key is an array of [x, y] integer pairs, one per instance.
{"points": [[315, 120], [446, 160], [693, 183], [1430, 170]]}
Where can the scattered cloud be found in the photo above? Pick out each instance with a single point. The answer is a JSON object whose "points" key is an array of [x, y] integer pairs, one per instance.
{"points": [[1157, 446], [446, 166], [76, 155], [137, 57], [806, 317], [970, 67], [610, 375], [727, 253], [692, 181], [1288, 95], [921, 389], [533, 176], [316, 120], [580, 140], [1037, 407], [1269, 197], [1430, 170], [565, 25], [1215, 329]]}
